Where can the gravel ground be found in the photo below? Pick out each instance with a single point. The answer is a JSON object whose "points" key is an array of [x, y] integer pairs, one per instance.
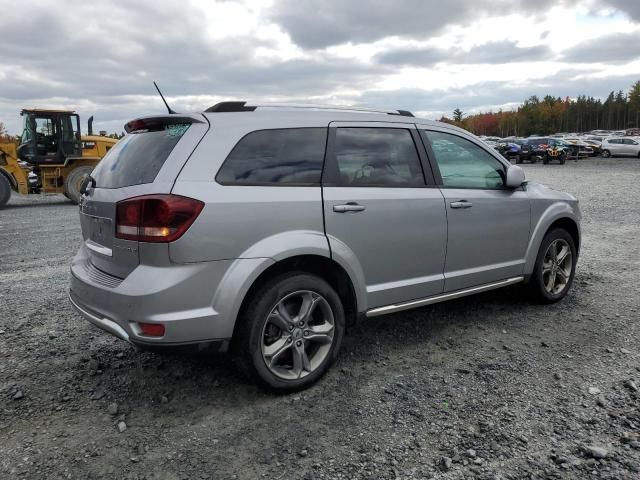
{"points": [[487, 387]]}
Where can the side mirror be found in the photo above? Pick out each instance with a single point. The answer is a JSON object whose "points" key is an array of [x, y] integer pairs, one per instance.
{"points": [[515, 177]]}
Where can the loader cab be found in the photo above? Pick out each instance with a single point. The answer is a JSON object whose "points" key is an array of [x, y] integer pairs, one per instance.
{"points": [[49, 137]]}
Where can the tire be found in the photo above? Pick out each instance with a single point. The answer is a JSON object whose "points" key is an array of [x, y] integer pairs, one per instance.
{"points": [[542, 287], [270, 319], [73, 182], [545, 160], [5, 190], [606, 154], [518, 160], [563, 158]]}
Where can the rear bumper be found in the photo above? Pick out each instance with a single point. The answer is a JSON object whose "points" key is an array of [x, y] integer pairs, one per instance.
{"points": [[101, 322], [180, 296]]}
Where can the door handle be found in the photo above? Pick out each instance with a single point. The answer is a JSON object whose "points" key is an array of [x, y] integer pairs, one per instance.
{"points": [[349, 207], [461, 204]]}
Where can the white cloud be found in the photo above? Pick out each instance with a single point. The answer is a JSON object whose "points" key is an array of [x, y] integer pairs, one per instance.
{"points": [[425, 55]]}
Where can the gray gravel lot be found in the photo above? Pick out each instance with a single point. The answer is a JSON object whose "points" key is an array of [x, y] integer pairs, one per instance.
{"points": [[484, 387]]}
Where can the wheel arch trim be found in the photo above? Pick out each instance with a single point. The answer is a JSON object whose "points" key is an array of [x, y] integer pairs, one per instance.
{"points": [[554, 213], [246, 270]]}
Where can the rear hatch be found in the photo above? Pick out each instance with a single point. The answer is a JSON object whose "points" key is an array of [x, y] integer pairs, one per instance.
{"points": [[146, 161]]}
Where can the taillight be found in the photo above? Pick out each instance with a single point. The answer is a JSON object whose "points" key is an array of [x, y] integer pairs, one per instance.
{"points": [[155, 218]]}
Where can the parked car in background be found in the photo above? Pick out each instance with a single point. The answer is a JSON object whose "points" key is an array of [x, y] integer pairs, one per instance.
{"points": [[527, 153], [491, 139], [509, 150], [265, 231], [595, 145], [621, 147], [583, 148]]}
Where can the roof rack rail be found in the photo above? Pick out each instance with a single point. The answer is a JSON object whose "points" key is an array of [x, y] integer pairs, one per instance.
{"points": [[241, 106]]}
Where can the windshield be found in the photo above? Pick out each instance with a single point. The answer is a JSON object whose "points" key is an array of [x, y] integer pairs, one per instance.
{"points": [[27, 130]]}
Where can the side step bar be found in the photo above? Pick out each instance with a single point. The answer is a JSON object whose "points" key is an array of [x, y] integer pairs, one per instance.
{"points": [[374, 312]]}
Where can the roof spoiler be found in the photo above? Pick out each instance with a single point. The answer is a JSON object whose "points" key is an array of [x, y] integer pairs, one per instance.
{"points": [[233, 106], [150, 123]]}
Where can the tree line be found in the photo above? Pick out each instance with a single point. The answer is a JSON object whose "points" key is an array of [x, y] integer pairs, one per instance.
{"points": [[553, 114]]}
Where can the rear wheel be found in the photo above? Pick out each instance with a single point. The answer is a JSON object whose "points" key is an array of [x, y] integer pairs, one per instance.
{"points": [[290, 332], [554, 268], [73, 182], [606, 154], [5, 190]]}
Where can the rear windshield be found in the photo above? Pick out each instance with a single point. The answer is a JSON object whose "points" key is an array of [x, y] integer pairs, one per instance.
{"points": [[138, 157]]}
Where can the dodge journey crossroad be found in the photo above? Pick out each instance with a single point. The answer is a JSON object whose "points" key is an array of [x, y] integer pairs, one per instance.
{"points": [[266, 230]]}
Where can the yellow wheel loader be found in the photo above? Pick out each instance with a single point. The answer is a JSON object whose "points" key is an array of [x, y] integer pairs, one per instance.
{"points": [[51, 157]]}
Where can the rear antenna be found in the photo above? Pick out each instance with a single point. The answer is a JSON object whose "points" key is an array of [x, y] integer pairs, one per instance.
{"points": [[162, 97]]}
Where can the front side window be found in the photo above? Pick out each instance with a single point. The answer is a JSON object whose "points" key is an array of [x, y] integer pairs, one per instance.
{"points": [[377, 157], [288, 156], [463, 164]]}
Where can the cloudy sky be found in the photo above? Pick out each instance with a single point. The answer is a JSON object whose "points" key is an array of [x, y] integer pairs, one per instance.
{"points": [[428, 56]]}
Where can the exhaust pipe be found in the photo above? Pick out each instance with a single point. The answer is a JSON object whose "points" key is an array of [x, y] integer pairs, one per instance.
{"points": [[90, 125]]}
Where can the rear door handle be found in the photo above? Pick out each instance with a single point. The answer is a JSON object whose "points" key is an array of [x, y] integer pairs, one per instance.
{"points": [[348, 207], [461, 204]]}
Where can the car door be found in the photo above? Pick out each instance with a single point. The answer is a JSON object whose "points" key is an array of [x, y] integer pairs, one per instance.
{"points": [[630, 147], [382, 213], [488, 224], [616, 146]]}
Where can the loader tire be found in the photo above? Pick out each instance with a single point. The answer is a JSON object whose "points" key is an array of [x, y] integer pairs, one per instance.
{"points": [[73, 182], [5, 190]]}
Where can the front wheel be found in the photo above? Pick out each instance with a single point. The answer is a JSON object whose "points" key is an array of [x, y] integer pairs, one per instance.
{"points": [[290, 332], [606, 154], [555, 267]]}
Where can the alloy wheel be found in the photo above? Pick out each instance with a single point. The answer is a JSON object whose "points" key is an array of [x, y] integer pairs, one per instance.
{"points": [[297, 335], [557, 266]]}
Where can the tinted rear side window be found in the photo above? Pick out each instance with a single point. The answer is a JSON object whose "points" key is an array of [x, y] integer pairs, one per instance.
{"points": [[377, 157], [290, 156], [138, 157]]}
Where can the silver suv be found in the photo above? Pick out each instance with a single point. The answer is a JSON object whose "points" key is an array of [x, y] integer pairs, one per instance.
{"points": [[267, 230]]}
